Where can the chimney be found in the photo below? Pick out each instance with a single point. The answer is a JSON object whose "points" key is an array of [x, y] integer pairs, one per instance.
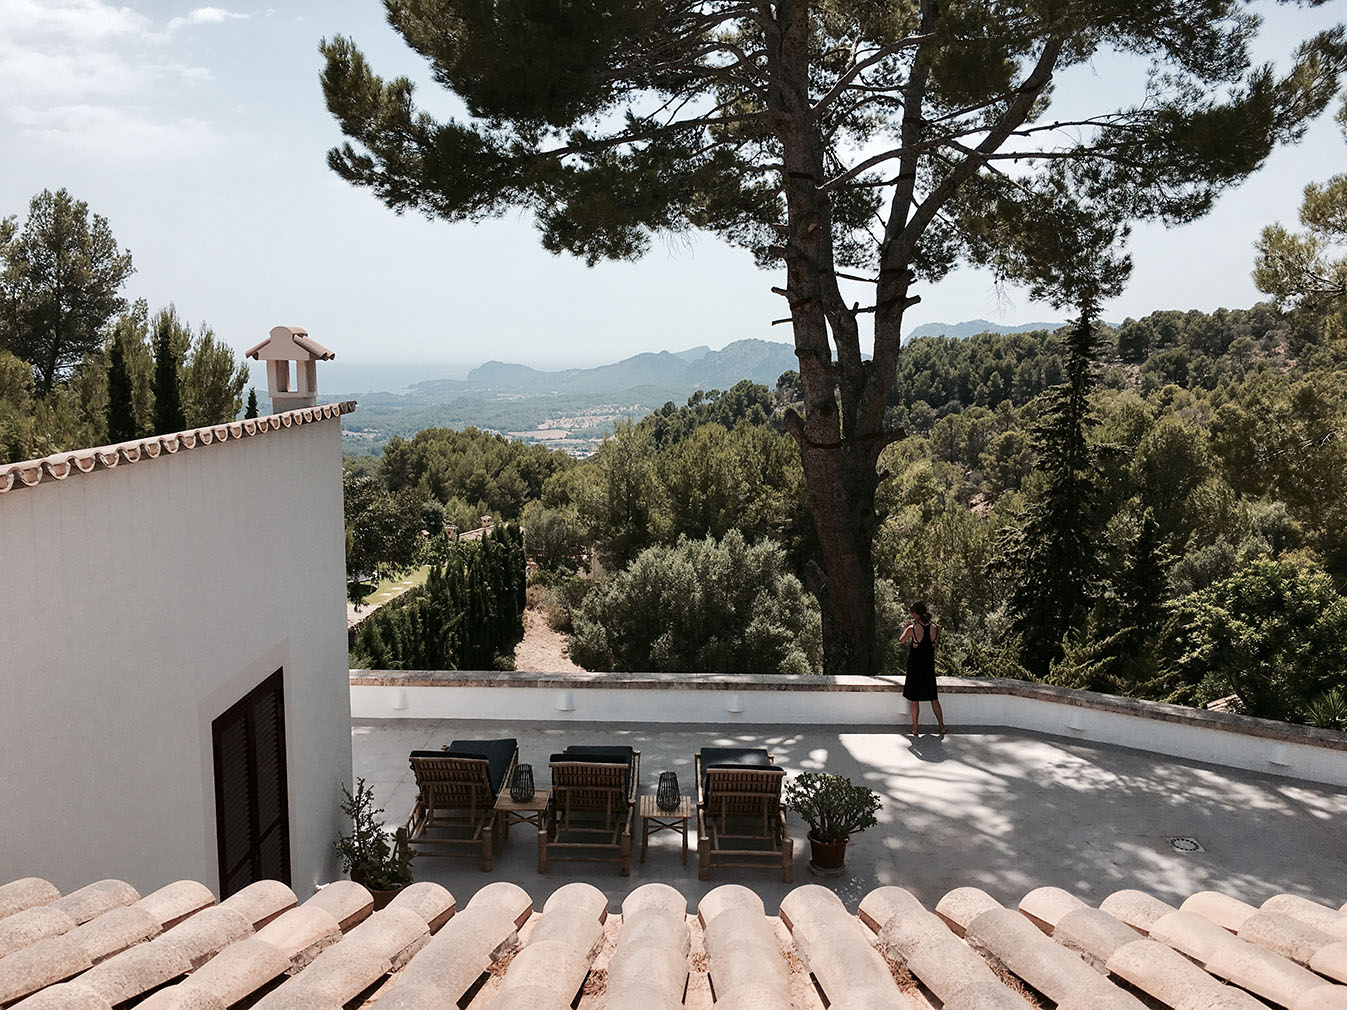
{"points": [[290, 388]]}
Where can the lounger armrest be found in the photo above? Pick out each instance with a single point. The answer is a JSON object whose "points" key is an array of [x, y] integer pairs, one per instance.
{"points": [[633, 785]]}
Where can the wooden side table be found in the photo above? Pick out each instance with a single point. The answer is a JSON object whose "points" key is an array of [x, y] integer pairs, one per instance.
{"points": [[654, 819], [511, 811]]}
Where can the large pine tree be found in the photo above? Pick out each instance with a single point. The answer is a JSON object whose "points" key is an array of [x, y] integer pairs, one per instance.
{"points": [[863, 147]]}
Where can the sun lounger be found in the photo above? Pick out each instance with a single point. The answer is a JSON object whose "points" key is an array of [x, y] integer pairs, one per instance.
{"points": [[741, 820], [456, 790], [593, 806]]}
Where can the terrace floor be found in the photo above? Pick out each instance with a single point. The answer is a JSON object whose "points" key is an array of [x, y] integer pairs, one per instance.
{"points": [[1004, 811]]}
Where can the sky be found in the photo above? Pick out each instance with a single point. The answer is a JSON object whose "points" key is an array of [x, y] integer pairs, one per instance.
{"points": [[200, 133]]}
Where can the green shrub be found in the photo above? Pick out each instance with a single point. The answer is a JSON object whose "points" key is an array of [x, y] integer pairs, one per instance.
{"points": [[701, 606], [367, 854], [1274, 633], [562, 600], [833, 806]]}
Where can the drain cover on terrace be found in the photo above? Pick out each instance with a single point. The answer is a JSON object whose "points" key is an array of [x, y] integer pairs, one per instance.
{"points": [[1183, 843]]}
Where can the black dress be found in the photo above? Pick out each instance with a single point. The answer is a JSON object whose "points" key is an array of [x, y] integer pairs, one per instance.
{"points": [[920, 682]]}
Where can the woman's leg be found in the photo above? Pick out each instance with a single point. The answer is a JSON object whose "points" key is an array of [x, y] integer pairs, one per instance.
{"points": [[939, 716], [916, 712]]}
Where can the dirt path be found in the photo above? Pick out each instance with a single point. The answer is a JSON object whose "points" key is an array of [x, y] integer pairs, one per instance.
{"points": [[542, 649]]}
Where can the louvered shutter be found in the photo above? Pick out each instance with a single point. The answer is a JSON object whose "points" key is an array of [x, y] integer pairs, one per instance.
{"points": [[252, 815]]}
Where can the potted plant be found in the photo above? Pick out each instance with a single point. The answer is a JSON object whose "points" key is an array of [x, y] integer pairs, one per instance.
{"points": [[834, 807], [368, 856]]}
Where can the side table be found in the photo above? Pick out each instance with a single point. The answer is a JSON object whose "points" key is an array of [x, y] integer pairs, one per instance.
{"points": [[511, 811], [654, 819]]}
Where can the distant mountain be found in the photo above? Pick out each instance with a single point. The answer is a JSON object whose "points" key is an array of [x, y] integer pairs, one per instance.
{"points": [[693, 353], [679, 374], [975, 326]]}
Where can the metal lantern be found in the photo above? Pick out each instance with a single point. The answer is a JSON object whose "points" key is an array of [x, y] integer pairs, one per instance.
{"points": [[521, 786], [667, 796]]}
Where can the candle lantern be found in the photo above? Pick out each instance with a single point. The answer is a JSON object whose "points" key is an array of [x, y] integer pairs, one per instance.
{"points": [[667, 796], [521, 786]]}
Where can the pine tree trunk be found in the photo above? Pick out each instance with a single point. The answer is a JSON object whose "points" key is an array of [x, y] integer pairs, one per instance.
{"points": [[841, 486], [842, 432]]}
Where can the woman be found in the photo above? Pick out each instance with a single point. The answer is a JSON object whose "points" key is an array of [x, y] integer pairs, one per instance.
{"points": [[919, 685]]}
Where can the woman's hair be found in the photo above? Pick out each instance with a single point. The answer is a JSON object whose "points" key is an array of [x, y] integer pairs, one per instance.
{"points": [[921, 610]]}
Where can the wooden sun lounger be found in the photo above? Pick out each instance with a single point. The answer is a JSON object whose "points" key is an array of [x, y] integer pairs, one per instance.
{"points": [[741, 820], [593, 807], [456, 792]]}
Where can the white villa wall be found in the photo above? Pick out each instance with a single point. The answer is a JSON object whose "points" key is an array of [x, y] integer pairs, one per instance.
{"points": [[140, 603]]}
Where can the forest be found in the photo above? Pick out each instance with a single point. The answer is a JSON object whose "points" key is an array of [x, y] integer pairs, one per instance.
{"points": [[1207, 510]]}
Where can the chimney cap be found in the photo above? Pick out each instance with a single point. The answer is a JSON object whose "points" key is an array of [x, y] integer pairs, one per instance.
{"points": [[289, 343]]}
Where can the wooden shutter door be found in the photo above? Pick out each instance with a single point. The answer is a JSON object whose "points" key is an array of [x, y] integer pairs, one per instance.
{"points": [[252, 818]]}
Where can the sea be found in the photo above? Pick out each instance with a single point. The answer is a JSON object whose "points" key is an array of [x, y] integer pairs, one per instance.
{"points": [[339, 377]]}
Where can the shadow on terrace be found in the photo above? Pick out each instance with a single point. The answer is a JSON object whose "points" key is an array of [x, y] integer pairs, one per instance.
{"points": [[1005, 811]]}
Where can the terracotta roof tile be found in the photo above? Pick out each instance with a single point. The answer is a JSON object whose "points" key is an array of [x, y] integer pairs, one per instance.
{"points": [[1046, 906], [135, 971], [66, 996], [1094, 935], [175, 902], [62, 465], [116, 930], [302, 933], [890, 952], [41, 964], [261, 902], [27, 892], [1136, 908], [1284, 935], [1311, 912], [1331, 961], [32, 924], [1225, 911], [95, 899], [238, 971], [742, 950], [347, 902], [205, 934], [432, 902]]}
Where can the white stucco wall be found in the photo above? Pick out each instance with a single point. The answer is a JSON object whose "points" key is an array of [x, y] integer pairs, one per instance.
{"points": [[141, 602], [1286, 751]]}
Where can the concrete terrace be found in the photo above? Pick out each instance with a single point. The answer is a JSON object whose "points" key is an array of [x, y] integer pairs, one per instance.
{"points": [[1002, 810]]}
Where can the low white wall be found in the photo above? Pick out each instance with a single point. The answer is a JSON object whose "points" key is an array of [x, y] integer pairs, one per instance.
{"points": [[142, 602], [1233, 741]]}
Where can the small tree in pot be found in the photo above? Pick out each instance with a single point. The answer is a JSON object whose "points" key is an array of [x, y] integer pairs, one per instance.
{"points": [[367, 854], [834, 808]]}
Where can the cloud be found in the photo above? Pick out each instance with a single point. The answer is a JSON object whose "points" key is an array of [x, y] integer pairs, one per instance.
{"points": [[74, 21], [207, 16], [120, 132], [92, 68]]}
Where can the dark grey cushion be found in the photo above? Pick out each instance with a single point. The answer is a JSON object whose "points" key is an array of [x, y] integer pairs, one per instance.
{"points": [[496, 753], [733, 757], [598, 754]]}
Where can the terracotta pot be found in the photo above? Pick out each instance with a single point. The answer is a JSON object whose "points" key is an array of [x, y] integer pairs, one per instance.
{"points": [[381, 898], [827, 858]]}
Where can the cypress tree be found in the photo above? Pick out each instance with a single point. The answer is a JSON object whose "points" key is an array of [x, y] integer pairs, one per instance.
{"points": [[251, 410], [1052, 551], [168, 412], [121, 410]]}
